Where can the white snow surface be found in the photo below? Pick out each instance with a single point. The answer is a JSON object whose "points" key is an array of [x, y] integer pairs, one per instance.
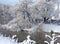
{"points": [[6, 40], [49, 27]]}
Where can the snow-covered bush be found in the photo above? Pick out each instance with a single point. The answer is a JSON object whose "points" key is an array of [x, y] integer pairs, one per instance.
{"points": [[53, 38]]}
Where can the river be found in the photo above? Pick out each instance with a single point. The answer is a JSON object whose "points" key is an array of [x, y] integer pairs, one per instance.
{"points": [[49, 27]]}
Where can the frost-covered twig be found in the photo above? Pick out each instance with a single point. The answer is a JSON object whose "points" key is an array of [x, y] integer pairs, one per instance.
{"points": [[53, 38], [46, 42]]}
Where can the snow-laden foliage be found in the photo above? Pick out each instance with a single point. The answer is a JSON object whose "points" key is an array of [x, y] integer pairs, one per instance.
{"points": [[53, 38], [24, 16], [28, 41], [5, 15], [27, 14]]}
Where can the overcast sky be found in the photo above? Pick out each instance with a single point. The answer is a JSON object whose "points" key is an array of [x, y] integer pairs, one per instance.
{"points": [[9, 1]]}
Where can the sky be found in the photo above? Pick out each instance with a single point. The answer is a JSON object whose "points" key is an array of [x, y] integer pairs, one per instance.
{"points": [[12, 2]]}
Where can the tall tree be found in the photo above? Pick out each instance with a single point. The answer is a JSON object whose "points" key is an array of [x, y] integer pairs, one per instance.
{"points": [[45, 8], [29, 14]]}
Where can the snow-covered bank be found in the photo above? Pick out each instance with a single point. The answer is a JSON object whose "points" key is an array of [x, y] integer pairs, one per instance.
{"points": [[49, 27], [8, 40]]}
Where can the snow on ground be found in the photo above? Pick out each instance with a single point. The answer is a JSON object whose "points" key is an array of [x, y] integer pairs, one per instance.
{"points": [[49, 27], [8, 40]]}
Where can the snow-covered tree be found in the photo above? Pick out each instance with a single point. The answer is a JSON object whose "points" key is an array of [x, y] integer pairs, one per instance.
{"points": [[5, 16], [27, 14], [44, 8], [23, 17]]}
